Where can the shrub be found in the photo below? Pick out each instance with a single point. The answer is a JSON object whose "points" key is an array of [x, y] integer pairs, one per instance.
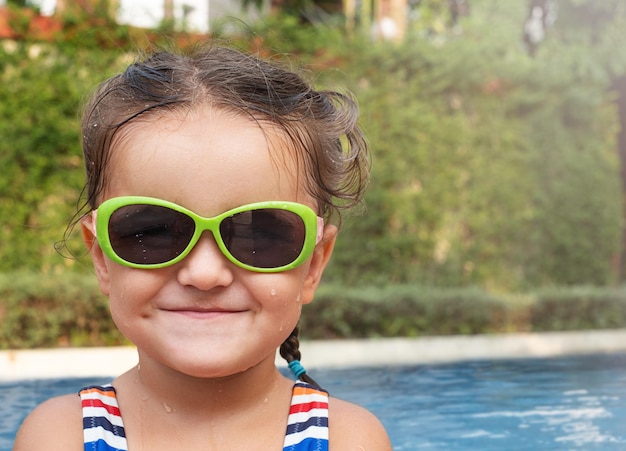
{"points": [[47, 311], [403, 310], [578, 308]]}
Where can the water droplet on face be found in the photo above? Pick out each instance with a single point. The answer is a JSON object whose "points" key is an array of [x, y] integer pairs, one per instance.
{"points": [[167, 408], [273, 291]]}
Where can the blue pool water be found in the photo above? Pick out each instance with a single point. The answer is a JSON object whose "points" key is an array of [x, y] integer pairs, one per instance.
{"points": [[531, 404]]}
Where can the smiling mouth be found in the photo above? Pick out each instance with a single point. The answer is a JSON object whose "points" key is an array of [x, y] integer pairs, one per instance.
{"points": [[203, 313]]}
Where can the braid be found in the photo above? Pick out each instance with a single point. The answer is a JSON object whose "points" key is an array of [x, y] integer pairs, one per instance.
{"points": [[290, 351]]}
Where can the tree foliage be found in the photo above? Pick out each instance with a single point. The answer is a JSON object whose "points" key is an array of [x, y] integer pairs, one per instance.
{"points": [[41, 89], [491, 167]]}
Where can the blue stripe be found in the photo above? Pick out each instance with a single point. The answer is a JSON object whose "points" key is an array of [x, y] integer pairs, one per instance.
{"points": [[309, 444], [100, 445], [94, 422], [313, 421]]}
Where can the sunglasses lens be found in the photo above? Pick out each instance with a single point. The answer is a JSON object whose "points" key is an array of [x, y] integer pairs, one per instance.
{"points": [[265, 238], [149, 234]]}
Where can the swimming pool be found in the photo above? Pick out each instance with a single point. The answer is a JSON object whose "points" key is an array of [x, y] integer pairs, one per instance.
{"points": [[558, 404]]}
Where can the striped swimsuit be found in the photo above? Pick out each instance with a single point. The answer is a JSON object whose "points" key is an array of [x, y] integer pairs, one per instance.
{"points": [[307, 428]]}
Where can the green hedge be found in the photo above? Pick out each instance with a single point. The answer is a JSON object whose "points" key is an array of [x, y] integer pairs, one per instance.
{"points": [[48, 311], [578, 308], [39, 310], [404, 310]]}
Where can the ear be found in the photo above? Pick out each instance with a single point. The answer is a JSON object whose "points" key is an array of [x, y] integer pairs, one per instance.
{"points": [[97, 257], [319, 260]]}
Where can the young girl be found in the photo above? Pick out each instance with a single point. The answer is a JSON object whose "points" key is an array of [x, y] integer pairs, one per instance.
{"points": [[214, 182]]}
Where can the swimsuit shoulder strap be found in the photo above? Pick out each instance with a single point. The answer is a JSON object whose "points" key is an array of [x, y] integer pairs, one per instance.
{"points": [[307, 427], [103, 429]]}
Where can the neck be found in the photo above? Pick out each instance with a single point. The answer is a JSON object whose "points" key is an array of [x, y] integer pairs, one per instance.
{"points": [[179, 392], [205, 413]]}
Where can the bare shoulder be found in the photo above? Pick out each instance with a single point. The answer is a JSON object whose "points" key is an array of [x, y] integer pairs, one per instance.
{"points": [[54, 424], [354, 428]]}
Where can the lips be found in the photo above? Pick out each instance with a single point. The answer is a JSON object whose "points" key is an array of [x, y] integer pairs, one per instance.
{"points": [[203, 313]]}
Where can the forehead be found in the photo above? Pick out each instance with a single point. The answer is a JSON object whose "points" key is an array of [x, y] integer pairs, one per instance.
{"points": [[204, 151]]}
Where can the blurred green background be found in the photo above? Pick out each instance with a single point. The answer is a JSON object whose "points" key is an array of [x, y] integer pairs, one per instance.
{"points": [[498, 132]]}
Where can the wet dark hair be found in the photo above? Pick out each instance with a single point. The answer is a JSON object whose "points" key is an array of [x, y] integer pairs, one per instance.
{"points": [[319, 126]]}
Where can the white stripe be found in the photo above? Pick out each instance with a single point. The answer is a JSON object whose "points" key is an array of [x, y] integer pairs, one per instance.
{"points": [[102, 412], [312, 432], [307, 398], [99, 433], [301, 417], [108, 400]]}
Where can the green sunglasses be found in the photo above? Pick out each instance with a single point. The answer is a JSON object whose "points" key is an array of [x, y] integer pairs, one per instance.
{"points": [[145, 232]]}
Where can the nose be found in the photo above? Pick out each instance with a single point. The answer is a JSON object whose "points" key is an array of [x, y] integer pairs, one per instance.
{"points": [[205, 267]]}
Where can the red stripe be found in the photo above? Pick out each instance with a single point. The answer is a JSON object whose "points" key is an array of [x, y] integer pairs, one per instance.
{"points": [[98, 403], [308, 406]]}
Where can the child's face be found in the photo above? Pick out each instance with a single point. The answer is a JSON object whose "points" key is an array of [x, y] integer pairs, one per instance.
{"points": [[204, 316]]}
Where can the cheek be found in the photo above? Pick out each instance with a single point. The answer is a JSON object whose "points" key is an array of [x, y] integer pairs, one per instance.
{"points": [[122, 310], [278, 288], [282, 295], [288, 317], [132, 291]]}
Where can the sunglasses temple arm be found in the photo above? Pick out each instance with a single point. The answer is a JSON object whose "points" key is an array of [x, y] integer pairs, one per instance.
{"points": [[320, 230]]}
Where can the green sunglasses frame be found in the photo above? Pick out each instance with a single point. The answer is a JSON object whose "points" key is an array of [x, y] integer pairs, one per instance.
{"points": [[314, 229]]}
